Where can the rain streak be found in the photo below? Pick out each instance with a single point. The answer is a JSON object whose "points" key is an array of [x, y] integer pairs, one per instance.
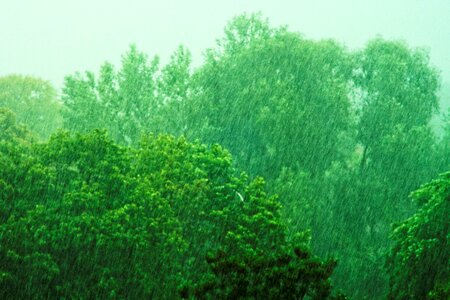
{"points": [[281, 167]]}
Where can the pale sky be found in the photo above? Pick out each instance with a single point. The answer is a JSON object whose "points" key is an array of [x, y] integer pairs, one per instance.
{"points": [[54, 38]]}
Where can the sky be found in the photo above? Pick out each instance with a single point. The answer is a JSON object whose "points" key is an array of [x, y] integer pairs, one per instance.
{"points": [[54, 38]]}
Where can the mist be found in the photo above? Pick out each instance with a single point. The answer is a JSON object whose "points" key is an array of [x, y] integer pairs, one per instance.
{"points": [[238, 150]]}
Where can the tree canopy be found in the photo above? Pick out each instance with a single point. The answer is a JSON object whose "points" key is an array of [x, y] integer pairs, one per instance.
{"points": [[84, 217], [419, 261]]}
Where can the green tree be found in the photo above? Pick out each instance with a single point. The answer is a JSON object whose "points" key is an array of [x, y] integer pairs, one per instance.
{"points": [[90, 229], [11, 130], [210, 200], [123, 102], [394, 92], [267, 94], [174, 81], [397, 87], [82, 110], [34, 103], [174, 88], [418, 263], [15, 140]]}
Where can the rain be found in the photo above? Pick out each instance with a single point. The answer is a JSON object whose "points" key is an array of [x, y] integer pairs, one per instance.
{"points": [[234, 150]]}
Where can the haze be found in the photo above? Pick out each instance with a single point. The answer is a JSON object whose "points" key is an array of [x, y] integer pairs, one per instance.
{"points": [[306, 155], [51, 39]]}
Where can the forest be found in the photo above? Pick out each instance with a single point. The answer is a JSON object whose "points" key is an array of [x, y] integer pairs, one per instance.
{"points": [[280, 168]]}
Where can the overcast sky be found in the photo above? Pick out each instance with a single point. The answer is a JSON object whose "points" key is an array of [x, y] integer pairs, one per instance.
{"points": [[53, 38]]}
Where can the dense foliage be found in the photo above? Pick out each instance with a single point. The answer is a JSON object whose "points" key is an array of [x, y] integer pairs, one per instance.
{"points": [[419, 261], [275, 276], [108, 209], [33, 101], [86, 218], [121, 101]]}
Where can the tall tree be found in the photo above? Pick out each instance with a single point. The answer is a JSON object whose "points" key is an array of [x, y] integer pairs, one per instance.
{"points": [[174, 88], [394, 90], [123, 102], [267, 96], [398, 88], [82, 109]]}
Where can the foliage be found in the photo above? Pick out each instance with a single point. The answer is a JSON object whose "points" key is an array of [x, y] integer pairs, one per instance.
{"points": [[342, 137], [14, 161], [33, 101], [418, 262], [122, 102], [88, 229], [395, 89], [282, 275], [84, 217], [11, 130], [209, 200], [266, 95], [394, 79], [444, 146], [173, 89]]}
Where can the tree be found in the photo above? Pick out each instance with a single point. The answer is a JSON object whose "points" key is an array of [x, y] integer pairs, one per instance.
{"points": [[174, 89], [398, 87], [267, 94], [89, 229], [123, 102], [34, 103], [82, 110], [394, 90], [174, 81], [418, 262], [11, 130], [206, 198]]}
